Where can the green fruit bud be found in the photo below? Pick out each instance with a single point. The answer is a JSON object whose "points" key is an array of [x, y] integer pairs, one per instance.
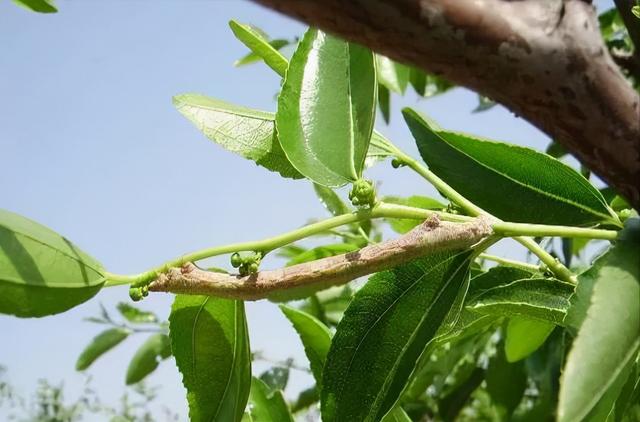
{"points": [[253, 268], [363, 193], [135, 293], [236, 260]]}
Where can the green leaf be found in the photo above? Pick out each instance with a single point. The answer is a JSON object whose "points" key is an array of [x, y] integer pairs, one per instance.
{"points": [[331, 200], [404, 225], [100, 345], [322, 252], [260, 46], [496, 276], [392, 75], [252, 57], [384, 102], [397, 415], [276, 377], [210, 342], [315, 337], [539, 298], [243, 131], [539, 188], [609, 336], [41, 272], [266, 405], [136, 315], [383, 333], [146, 360], [556, 150], [330, 305], [380, 149], [506, 383], [41, 6], [418, 80], [524, 336], [305, 399], [326, 109]]}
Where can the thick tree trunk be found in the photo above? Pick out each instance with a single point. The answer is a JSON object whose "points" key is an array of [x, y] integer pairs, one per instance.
{"points": [[544, 60]]}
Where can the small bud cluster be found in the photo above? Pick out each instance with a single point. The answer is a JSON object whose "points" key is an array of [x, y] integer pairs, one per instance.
{"points": [[248, 264], [363, 194], [138, 293]]}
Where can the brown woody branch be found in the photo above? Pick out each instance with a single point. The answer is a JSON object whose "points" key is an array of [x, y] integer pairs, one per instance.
{"points": [[544, 60], [300, 280]]}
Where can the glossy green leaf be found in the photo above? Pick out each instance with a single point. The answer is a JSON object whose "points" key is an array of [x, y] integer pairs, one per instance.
{"points": [[210, 342], [41, 272], [392, 75], [404, 225], [506, 383], [41, 6], [326, 109], [136, 315], [609, 336], [243, 131], [146, 359], [100, 345], [524, 336], [323, 252], [315, 337], [266, 405], [260, 46], [539, 298], [331, 200], [383, 333], [539, 188]]}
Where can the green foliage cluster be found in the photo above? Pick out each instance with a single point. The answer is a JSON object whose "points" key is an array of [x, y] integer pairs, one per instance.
{"points": [[445, 336]]}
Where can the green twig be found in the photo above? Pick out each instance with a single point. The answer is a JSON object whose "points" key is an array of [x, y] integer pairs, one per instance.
{"points": [[512, 263]]}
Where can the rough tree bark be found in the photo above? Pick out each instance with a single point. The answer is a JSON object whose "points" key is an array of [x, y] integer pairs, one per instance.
{"points": [[544, 60]]}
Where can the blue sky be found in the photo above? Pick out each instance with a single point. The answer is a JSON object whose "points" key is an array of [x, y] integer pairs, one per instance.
{"points": [[92, 147]]}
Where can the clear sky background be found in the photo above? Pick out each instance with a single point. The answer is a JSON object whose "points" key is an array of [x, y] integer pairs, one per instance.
{"points": [[91, 146]]}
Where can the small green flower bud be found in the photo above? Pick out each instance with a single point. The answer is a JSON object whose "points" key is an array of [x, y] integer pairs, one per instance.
{"points": [[243, 270], [236, 260], [395, 163], [135, 293], [363, 193], [253, 268]]}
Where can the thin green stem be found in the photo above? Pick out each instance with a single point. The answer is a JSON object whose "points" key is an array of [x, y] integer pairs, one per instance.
{"points": [[511, 262], [440, 184], [543, 230], [560, 271]]}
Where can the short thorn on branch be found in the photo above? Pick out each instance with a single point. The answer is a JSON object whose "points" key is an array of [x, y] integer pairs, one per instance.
{"points": [[300, 280]]}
